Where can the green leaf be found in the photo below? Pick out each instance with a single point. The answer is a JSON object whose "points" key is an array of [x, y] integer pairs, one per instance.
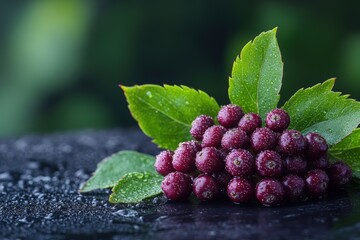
{"points": [[112, 168], [165, 113], [348, 150], [135, 187], [318, 109], [257, 74]]}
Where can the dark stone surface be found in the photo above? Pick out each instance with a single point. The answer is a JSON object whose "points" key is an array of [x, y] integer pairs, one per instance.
{"points": [[40, 175]]}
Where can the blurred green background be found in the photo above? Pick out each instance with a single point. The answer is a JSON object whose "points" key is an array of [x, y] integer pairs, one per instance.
{"points": [[61, 61]]}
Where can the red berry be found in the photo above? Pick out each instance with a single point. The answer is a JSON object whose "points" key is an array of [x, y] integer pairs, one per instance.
{"points": [[206, 188], [209, 160], [277, 120], [269, 164], [240, 190], [270, 192], [295, 165], [199, 126], [240, 163], [317, 182], [263, 139], [235, 138], [230, 115], [316, 145], [212, 136], [184, 157], [176, 186], [294, 187], [339, 173], [163, 163], [292, 142], [249, 122]]}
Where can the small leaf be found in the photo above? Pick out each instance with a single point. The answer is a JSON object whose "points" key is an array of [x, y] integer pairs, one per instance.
{"points": [[135, 187], [166, 113], [348, 150], [112, 168], [318, 109], [257, 74]]}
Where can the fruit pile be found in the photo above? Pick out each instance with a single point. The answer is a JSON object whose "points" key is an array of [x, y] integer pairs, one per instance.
{"points": [[246, 161]]}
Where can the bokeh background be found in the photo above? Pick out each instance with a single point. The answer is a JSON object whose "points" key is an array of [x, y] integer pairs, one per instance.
{"points": [[61, 60]]}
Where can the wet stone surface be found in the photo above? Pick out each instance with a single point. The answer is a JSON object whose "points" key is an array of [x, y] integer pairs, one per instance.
{"points": [[40, 176]]}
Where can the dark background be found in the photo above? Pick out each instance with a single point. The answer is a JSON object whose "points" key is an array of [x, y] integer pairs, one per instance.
{"points": [[61, 61]]}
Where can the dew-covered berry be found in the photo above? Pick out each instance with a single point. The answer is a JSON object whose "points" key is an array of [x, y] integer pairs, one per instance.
{"points": [[229, 115], [249, 122], [317, 182], [316, 145], [240, 190], [269, 164], [199, 126], [205, 187], [263, 139], [240, 163], [294, 187], [270, 192], [223, 178], [235, 138], [295, 165], [292, 142], [212, 136], [176, 186], [163, 162], [184, 157], [277, 120], [209, 160], [320, 163], [339, 173]]}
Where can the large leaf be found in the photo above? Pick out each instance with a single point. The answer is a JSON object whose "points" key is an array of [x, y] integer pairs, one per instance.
{"points": [[348, 150], [257, 74], [112, 168], [318, 109], [134, 187], [165, 113]]}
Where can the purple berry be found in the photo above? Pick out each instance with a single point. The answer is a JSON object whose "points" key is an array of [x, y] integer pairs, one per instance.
{"points": [[320, 163], [235, 138], [229, 115], [205, 187], [339, 173], [317, 182], [199, 126], [184, 157], [294, 187], [223, 178], [163, 162], [270, 192], [240, 163], [209, 160], [240, 190], [249, 122], [277, 120], [263, 139], [269, 164], [292, 142], [212, 136], [295, 165], [176, 186], [316, 145]]}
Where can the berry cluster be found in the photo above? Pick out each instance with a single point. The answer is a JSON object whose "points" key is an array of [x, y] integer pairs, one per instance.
{"points": [[245, 161]]}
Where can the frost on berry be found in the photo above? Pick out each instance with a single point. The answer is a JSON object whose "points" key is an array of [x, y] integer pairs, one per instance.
{"points": [[339, 173], [212, 136], [199, 126], [263, 139], [163, 162], [205, 187], [317, 182], [209, 160], [235, 138], [270, 192], [184, 157], [230, 115], [176, 186], [249, 122], [240, 163], [292, 142], [295, 165], [294, 187], [277, 120], [269, 164], [316, 145], [240, 190]]}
